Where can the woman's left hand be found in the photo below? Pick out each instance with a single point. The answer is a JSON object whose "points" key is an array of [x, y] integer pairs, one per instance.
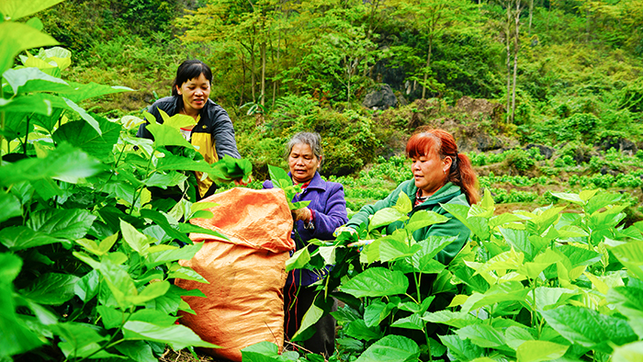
{"points": [[304, 214]]}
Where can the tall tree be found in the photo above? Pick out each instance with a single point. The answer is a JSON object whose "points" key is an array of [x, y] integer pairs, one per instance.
{"points": [[431, 18]]}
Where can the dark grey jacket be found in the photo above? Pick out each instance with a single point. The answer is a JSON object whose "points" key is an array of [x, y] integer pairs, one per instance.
{"points": [[214, 120]]}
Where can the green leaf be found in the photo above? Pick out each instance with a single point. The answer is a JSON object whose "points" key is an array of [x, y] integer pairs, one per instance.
{"points": [[423, 218], [229, 168], [68, 224], [261, 352], [505, 292], [536, 351], [177, 336], [477, 225], [79, 92], [548, 298], [27, 80], [515, 336], [359, 330], [111, 317], [152, 291], [87, 287], [119, 282], [16, 337], [628, 302], [166, 135], [52, 289], [463, 350], [153, 316], [135, 239], [187, 274], [395, 247], [161, 257], [376, 282], [454, 319], [64, 163], [411, 322], [190, 228], [631, 256], [403, 203], [170, 162], [298, 260], [15, 9], [21, 237], [391, 348], [600, 201], [82, 135], [386, 216], [376, 312], [78, 339], [429, 248], [10, 266], [573, 198], [632, 352], [137, 351], [482, 335], [579, 256], [163, 180], [519, 239], [161, 220], [312, 315], [16, 37], [589, 328], [279, 177]]}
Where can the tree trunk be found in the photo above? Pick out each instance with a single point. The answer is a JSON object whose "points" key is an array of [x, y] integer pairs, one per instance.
{"points": [[508, 36], [243, 79], [531, 12], [428, 64], [263, 73], [516, 49]]}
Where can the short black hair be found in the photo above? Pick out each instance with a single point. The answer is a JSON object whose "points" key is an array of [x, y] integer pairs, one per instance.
{"points": [[190, 69]]}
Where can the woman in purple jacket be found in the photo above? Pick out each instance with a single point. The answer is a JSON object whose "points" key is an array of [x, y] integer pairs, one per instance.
{"points": [[325, 213]]}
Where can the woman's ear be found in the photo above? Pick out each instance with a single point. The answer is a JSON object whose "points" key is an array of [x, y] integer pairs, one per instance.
{"points": [[447, 161], [320, 162], [178, 90]]}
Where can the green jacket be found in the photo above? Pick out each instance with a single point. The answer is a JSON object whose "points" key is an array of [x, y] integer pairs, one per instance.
{"points": [[447, 194]]}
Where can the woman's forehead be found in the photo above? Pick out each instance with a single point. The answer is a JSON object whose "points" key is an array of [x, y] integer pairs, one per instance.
{"points": [[301, 148]]}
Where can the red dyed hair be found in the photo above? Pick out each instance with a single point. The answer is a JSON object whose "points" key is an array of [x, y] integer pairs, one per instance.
{"points": [[442, 142]]}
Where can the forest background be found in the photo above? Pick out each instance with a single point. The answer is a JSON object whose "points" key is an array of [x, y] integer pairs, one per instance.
{"points": [[544, 97], [503, 76]]}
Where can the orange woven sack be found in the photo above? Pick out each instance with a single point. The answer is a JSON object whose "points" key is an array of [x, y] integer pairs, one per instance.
{"points": [[244, 303]]}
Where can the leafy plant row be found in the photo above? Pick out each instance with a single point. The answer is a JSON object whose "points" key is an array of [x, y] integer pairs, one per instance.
{"points": [[545, 285], [87, 254]]}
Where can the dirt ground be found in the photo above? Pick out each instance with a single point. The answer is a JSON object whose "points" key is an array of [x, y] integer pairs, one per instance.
{"points": [[185, 356]]}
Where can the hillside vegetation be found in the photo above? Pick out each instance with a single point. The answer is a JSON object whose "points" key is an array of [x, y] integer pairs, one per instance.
{"points": [[546, 98]]}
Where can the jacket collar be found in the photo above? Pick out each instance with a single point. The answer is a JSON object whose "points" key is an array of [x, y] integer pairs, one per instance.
{"points": [[445, 193], [315, 183]]}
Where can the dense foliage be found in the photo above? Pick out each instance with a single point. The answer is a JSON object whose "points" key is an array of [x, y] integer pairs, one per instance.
{"points": [[88, 244], [86, 253]]}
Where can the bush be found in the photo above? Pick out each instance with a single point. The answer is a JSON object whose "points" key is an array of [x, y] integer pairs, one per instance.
{"points": [[520, 160]]}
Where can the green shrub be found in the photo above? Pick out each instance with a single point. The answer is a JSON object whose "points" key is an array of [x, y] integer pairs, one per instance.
{"points": [[520, 160]]}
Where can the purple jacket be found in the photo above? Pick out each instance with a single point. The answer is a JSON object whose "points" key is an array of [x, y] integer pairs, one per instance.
{"points": [[329, 206]]}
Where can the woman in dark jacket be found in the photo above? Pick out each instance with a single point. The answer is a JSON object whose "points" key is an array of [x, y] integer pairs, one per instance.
{"points": [[325, 213], [213, 134]]}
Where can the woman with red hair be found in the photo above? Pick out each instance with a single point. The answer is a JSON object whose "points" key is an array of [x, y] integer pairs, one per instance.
{"points": [[441, 175]]}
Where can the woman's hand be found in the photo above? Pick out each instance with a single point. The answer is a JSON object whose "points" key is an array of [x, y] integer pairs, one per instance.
{"points": [[304, 214]]}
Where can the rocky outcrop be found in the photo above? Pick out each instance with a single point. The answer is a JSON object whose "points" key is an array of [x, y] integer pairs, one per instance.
{"points": [[545, 151], [380, 99]]}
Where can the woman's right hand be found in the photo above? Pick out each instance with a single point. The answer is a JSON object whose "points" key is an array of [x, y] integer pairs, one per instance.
{"points": [[346, 234]]}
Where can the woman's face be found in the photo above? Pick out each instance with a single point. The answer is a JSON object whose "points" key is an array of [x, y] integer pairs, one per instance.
{"points": [[429, 172], [195, 93], [303, 163]]}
